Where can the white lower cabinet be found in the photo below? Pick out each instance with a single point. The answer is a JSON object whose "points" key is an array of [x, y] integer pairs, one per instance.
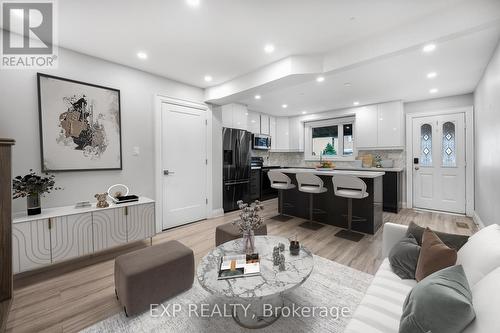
{"points": [[110, 228], [40, 242], [30, 245], [71, 236], [136, 228]]}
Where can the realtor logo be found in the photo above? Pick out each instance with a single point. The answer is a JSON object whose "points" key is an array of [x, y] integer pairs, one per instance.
{"points": [[28, 35]]}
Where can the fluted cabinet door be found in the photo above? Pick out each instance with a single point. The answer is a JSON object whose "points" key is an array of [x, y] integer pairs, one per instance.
{"points": [[109, 228], [30, 245], [71, 236], [140, 222]]}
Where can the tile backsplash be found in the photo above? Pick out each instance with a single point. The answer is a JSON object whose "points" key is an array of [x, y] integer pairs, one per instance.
{"points": [[297, 159]]}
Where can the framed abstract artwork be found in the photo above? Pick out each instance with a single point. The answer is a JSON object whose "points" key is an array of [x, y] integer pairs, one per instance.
{"points": [[80, 125]]}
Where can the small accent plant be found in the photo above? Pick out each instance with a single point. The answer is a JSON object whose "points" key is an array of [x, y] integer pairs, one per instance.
{"points": [[249, 216], [33, 184]]}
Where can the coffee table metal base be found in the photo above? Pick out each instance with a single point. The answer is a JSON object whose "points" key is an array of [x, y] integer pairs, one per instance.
{"points": [[258, 313]]}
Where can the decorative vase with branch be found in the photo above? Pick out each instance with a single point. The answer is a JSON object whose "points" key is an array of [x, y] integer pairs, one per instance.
{"points": [[249, 221], [31, 186]]}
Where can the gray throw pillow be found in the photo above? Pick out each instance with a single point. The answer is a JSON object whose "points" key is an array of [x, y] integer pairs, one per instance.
{"points": [[404, 257], [440, 303], [451, 240]]}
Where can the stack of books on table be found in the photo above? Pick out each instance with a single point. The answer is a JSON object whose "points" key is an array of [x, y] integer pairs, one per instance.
{"points": [[239, 266]]}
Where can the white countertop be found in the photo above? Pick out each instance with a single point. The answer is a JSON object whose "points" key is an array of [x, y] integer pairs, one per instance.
{"points": [[370, 169], [360, 174], [71, 210]]}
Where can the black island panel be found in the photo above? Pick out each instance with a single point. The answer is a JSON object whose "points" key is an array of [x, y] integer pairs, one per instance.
{"points": [[330, 209]]}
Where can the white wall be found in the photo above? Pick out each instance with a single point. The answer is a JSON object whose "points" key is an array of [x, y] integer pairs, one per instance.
{"points": [[487, 141], [19, 120], [438, 104]]}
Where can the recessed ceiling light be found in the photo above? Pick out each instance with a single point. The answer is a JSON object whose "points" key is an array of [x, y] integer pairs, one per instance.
{"points": [[269, 48], [320, 79], [304, 112], [347, 84], [284, 106], [208, 78], [142, 55], [257, 97], [431, 75], [193, 3], [433, 90], [355, 103], [429, 48]]}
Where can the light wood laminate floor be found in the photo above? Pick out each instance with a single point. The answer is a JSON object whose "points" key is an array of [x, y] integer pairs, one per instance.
{"points": [[71, 296]]}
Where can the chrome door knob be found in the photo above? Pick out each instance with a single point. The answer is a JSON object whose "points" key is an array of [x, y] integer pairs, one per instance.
{"points": [[416, 168]]}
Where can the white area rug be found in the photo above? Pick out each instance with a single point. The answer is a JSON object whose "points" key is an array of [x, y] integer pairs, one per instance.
{"points": [[330, 285]]}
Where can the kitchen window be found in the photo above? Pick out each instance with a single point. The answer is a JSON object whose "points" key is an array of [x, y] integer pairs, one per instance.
{"points": [[331, 139]]}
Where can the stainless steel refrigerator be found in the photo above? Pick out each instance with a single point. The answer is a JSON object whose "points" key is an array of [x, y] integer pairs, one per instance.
{"points": [[236, 167]]}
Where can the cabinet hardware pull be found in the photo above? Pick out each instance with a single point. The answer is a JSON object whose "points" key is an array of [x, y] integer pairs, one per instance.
{"points": [[50, 223], [126, 210]]}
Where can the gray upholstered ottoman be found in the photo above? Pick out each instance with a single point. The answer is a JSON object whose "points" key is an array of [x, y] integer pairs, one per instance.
{"points": [[151, 275], [228, 232]]}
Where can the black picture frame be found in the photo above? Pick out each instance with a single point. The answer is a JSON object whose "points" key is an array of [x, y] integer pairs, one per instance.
{"points": [[44, 168]]}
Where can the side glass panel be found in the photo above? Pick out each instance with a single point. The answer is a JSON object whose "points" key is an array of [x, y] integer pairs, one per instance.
{"points": [[426, 145], [448, 151], [348, 140], [325, 141]]}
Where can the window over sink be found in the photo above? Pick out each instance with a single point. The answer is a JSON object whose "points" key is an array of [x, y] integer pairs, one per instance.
{"points": [[331, 139]]}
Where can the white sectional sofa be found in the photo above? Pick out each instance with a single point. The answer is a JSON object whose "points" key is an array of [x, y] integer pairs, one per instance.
{"points": [[381, 308]]}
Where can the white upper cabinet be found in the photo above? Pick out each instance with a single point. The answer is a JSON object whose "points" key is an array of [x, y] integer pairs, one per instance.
{"points": [[240, 116], [235, 116], [253, 121], [366, 127], [282, 137], [380, 126], [264, 124], [227, 115], [272, 131], [296, 134], [391, 125]]}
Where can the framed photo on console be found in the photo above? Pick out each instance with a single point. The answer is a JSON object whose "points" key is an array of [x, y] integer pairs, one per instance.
{"points": [[80, 125]]}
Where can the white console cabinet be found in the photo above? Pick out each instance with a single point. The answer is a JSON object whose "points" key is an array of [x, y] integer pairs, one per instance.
{"points": [[63, 233]]}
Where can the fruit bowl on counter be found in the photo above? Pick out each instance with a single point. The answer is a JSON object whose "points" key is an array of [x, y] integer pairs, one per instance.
{"points": [[325, 166]]}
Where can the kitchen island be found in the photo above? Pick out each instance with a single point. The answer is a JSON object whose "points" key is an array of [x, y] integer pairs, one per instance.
{"points": [[330, 209]]}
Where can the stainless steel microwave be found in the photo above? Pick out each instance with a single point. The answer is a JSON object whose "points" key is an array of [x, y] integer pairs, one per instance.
{"points": [[261, 141]]}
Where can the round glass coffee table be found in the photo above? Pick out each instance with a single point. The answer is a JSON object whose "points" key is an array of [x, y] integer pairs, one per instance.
{"points": [[259, 298]]}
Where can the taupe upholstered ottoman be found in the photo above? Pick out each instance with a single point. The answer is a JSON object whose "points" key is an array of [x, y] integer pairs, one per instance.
{"points": [[228, 232], [151, 275]]}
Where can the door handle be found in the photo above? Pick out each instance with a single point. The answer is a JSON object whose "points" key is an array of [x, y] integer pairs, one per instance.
{"points": [[417, 168], [167, 172]]}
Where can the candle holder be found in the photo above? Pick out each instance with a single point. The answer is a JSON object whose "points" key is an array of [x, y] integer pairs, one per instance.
{"points": [[294, 246]]}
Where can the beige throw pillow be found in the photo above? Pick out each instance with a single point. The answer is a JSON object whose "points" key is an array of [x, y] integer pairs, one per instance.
{"points": [[434, 255]]}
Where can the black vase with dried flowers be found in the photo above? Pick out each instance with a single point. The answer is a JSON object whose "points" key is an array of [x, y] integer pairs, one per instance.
{"points": [[31, 186]]}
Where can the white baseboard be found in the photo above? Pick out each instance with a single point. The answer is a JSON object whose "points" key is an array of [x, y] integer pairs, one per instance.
{"points": [[217, 213], [477, 220]]}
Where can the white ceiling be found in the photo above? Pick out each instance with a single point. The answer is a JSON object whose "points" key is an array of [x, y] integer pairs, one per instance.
{"points": [[459, 64], [225, 38], [374, 45]]}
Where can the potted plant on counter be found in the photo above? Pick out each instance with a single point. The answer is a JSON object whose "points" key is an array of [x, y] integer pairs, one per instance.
{"points": [[31, 186]]}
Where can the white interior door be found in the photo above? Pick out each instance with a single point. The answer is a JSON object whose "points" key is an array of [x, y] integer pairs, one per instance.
{"points": [[184, 153], [439, 163]]}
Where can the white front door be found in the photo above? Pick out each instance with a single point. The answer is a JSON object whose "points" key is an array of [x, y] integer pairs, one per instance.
{"points": [[184, 163], [439, 163]]}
